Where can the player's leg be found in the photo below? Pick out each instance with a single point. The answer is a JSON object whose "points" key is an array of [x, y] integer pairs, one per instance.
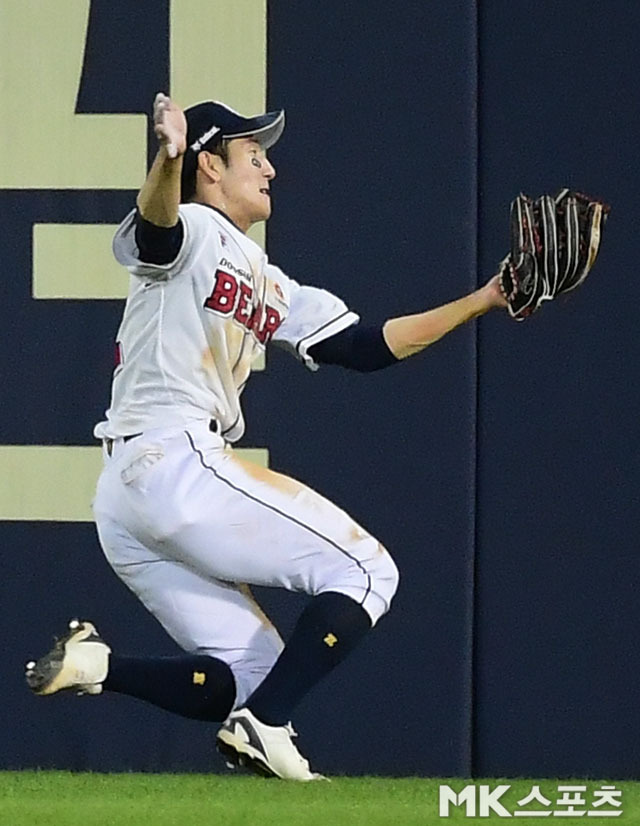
{"points": [[202, 615], [350, 573], [271, 530], [211, 620], [229, 643], [205, 509], [241, 522]]}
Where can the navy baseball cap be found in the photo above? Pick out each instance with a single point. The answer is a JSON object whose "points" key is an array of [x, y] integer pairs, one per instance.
{"points": [[210, 122]]}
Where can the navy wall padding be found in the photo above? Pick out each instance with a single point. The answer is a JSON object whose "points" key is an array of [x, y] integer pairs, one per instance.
{"points": [[557, 666]]}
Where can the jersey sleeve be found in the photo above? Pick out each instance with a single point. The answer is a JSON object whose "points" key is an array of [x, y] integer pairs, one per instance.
{"points": [[314, 315], [126, 252]]}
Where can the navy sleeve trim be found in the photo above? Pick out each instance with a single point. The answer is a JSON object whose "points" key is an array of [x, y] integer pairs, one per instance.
{"points": [[359, 347], [157, 245]]}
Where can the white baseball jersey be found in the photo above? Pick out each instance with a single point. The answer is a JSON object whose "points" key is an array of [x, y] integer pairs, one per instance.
{"points": [[182, 519], [192, 328]]}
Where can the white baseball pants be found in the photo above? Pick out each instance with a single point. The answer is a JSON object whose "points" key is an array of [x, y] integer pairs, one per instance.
{"points": [[187, 526]]}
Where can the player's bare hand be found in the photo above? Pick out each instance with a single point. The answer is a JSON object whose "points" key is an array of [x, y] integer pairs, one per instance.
{"points": [[493, 293], [170, 125]]}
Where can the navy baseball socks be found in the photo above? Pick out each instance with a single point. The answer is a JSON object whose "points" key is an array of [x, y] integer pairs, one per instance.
{"points": [[328, 629], [258, 736], [192, 685], [203, 688]]}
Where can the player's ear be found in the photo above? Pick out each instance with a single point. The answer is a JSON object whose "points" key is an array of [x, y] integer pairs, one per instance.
{"points": [[211, 166]]}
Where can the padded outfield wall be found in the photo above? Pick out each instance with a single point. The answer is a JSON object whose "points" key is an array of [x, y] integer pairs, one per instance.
{"points": [[500, 468]]}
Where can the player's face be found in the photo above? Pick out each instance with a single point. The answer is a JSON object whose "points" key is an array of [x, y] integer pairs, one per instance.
{"points": [[244, 183]]}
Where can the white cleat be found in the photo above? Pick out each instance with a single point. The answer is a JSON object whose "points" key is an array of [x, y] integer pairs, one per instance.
{"points": [[79, 661], [266, 750]]}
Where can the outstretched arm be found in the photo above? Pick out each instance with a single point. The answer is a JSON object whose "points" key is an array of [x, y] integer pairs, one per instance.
{"points": [[408, 335], [367, 348], [159, 198]]}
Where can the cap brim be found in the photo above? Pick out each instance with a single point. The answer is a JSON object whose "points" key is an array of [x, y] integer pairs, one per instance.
{"points": [[266, 129]]}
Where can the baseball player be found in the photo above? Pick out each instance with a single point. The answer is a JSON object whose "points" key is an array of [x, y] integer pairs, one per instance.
{"points": [[185, 523]]}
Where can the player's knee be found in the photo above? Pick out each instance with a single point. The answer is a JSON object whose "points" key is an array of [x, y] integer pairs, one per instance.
{"points": [[368, 575], [387, 576], [393, 576], [383, 582]]}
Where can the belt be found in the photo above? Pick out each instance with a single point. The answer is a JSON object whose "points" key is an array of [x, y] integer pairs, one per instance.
{"points": [[214, 427]]}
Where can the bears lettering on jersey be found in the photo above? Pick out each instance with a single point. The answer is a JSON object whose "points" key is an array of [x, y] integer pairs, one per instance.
{"points": [[233, 296]]}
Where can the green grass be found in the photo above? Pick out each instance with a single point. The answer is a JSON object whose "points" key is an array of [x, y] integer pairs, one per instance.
{"points": [[44, 798]]}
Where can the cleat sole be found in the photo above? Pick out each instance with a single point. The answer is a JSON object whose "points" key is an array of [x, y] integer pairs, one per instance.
{"points": [[43, 675], [243, 760]]}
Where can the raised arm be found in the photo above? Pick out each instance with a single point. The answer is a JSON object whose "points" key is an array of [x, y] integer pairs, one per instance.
{"points": [[159, 198], [408, 335]]}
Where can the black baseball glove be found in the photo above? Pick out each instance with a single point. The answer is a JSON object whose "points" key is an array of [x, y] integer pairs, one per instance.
{"points": [[554, 243]]}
